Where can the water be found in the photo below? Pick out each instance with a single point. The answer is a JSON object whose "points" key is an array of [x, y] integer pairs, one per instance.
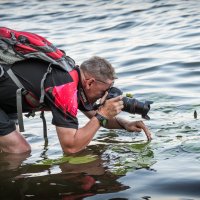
{"points": [[154, 47]]}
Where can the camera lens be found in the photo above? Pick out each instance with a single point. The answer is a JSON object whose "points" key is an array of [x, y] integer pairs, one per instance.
{"points": [[131, 105], [134, 106]]}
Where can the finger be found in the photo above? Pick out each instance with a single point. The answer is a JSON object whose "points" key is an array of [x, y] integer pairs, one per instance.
{"points": [[119, 103], [119, 106], [102, 100], [145, 129], [138, 129], [148, 134], [119, 110], [115, 99]]}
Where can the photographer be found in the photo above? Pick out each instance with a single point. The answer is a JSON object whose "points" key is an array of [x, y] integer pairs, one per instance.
{"points": [[65, 93]]}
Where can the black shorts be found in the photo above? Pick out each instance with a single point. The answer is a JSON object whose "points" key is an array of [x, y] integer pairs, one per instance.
{"points": [[7, 122]]}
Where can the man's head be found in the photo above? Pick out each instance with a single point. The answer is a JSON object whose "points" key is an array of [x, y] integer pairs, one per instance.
{"points": [[98, 76]]}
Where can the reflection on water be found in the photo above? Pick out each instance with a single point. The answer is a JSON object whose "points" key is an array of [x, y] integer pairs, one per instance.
{"points": [[71, 181], [154, 47]]}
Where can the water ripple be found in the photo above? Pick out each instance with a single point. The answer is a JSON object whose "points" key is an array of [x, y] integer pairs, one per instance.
{"points": [[154, 47]]}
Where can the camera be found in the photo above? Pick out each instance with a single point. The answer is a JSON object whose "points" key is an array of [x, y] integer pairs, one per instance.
{"points": [[131, 105]]}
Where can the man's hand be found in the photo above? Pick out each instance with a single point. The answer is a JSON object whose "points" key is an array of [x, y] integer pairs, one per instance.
{"points": [[111, 107], [138, 126]]}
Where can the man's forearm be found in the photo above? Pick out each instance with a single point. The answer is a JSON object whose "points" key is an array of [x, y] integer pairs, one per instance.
{"points": [[73, 141], [85, 134], [114, 123], [117, 123]]}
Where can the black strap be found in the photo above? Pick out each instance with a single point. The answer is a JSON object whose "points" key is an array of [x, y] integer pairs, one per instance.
{"points": [[18, 98], [1, 71], [44, 125], [19, 109], [42, 84], [15, 79]]}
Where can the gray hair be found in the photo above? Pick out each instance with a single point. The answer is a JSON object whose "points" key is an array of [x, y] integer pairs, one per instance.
{"points": [[99, 68]]}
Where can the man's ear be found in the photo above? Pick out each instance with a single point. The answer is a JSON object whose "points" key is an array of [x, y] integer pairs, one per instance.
{"points": [[90, 82]]}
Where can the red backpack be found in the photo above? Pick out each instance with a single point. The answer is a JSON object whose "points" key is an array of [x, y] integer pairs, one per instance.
{"points": [[16, 46]]}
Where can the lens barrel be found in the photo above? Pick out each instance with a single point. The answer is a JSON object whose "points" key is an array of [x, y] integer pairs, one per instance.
{"points": [[134, 106], [131, 105]]}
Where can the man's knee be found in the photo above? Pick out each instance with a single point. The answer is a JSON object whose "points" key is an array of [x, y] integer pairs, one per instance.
{"points": [[17, 149], [14, 143], [23, 148]]}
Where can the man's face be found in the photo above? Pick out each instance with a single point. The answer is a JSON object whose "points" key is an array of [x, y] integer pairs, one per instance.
{"points": [[95, 88], [99, 89]]}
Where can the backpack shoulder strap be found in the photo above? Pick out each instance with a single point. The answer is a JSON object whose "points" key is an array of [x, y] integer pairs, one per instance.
{"points": [[42, 84], [14, 78], [19, 109], [21, 90]]}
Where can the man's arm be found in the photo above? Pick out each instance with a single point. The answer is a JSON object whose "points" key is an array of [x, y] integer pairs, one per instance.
{"points": [[74, 140], [119, 123], [131, 126]]}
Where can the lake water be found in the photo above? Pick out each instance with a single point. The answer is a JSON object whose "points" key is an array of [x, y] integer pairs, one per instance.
{"points": [[155, 49]]}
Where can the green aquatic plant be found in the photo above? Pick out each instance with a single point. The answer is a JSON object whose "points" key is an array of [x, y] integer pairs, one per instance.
{"points": [[69, 159], [131, 157]]}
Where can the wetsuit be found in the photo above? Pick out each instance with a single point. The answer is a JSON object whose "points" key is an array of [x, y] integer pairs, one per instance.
{"points": [[61, 94]]}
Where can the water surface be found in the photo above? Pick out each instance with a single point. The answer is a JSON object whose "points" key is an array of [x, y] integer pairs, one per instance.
{"points": [[154, 47]]}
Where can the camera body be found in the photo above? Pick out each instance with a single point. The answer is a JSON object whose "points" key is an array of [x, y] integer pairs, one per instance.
{"points": [[131, 105]]}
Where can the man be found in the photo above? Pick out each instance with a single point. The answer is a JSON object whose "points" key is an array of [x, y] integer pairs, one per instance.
{"points": [[64, 94]]}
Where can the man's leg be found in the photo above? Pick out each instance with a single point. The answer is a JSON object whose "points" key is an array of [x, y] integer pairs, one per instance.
{"points": [[14, 142], [11, 141]]}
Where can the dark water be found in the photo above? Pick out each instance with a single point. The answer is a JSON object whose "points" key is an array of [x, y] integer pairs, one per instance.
{"points": [[154, 47]]}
